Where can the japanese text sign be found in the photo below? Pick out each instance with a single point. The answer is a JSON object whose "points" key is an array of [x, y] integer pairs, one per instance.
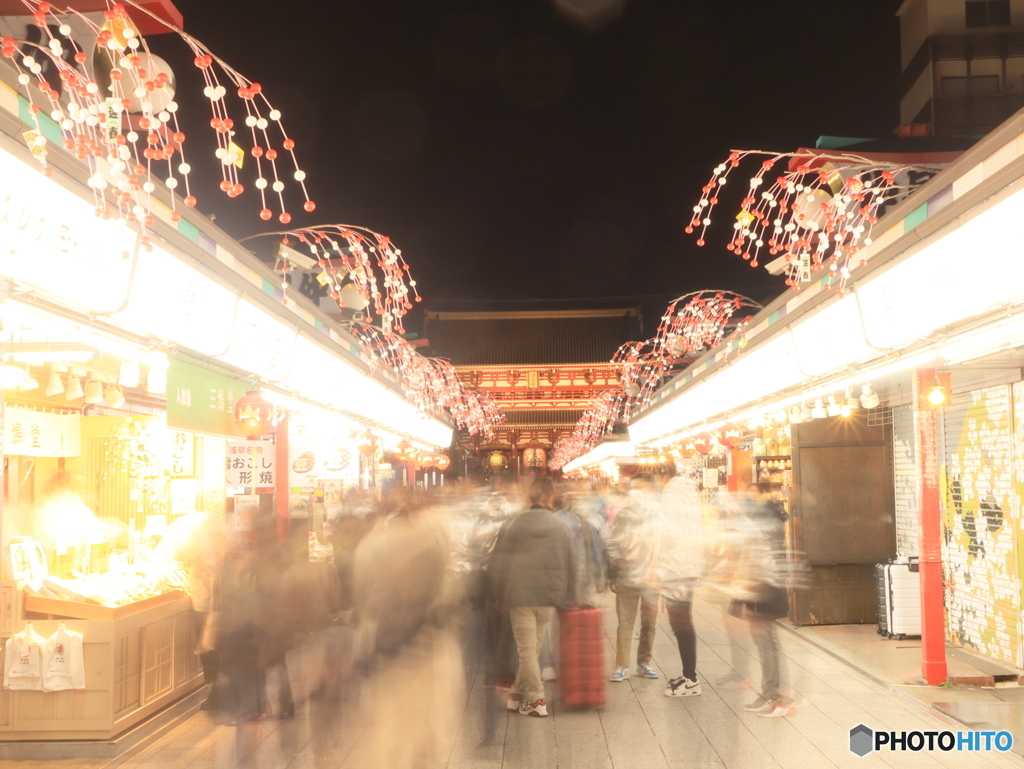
{"points": [[202, 400], [250, 464]]}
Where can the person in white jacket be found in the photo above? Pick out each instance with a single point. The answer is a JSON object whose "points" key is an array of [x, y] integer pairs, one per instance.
{"points": [[679, 564]]}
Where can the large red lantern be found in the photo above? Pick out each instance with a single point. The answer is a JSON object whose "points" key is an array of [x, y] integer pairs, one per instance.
{"points": [[702, 443], [442, 462], [366, 442], [427, 460], [404, 451], [688, 449], [731, 436], [253, 414]]}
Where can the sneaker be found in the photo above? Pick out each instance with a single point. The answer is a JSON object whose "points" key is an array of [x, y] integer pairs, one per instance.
{"points": [[779, 709], [548, 674], [513, 702], [760, 705], [643, 669], [733, 681], [682, 687], [620, 674], [538, 709]]}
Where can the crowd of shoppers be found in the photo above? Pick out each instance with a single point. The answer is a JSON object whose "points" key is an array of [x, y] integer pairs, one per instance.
{"points": [[411, 582]]}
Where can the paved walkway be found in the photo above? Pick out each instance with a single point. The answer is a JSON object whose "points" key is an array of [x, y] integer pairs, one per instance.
{"points": [[639, 728]]}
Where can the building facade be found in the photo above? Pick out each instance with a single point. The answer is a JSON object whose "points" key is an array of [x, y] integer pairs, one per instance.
{"points": [[544, 368], [962, 64]]}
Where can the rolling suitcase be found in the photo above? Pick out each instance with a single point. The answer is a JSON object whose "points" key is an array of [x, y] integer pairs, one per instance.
{"points": [[899, 598], [581, 642]]}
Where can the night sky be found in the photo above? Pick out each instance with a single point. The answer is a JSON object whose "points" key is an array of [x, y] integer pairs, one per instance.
{"points": [[513, 153]]}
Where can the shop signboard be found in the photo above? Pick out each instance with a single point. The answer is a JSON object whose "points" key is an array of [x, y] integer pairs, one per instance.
{"points": [[251, 464], [53, 239], [180, 454], [247, 507], [201, 400], [42, 434], [183, 496], [213, 491]]}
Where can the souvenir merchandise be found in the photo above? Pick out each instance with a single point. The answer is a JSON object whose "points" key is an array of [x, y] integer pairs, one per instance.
{"points": [[63, 661], [23, 660]]}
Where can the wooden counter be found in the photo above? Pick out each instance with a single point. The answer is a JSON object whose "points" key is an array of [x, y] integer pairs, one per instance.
{"points": [[136, 663]]}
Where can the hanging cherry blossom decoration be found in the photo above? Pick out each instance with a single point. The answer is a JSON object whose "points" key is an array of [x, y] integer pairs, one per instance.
{"points": [[113, 101], [361, 269], [814, 209], [430, 384], [692, 323]]}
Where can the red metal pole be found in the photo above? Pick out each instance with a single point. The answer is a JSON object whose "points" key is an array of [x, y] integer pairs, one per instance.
{"points": [[282, 495], [933, 623]]}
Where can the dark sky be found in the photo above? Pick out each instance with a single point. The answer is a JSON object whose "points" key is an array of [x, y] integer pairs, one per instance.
{"points": [[514, 154]]}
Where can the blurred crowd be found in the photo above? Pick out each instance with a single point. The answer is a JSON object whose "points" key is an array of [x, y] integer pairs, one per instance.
{"points": [[386, 613]]}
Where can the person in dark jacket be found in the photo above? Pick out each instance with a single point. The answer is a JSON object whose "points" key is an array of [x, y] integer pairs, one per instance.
{"points": [[534, 570]]}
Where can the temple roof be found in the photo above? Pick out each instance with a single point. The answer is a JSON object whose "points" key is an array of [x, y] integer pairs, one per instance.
{"points": [[531, 337]]}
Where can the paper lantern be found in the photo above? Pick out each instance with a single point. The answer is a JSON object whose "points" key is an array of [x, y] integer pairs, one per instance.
{"points": [[427, 460], [442, 462], [689, 449], [366, 442], [731, 436], [404, 451], [702, 443], [253, 414]]}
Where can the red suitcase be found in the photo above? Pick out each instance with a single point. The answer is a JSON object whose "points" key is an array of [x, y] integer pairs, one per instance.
{"points": [[581, 642]]}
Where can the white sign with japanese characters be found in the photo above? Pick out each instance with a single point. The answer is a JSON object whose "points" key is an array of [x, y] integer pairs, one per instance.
{"points": [[250, 464], [41, 434]]}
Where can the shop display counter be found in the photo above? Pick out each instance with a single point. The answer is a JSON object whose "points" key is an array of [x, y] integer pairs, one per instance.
{"points": [[139, 658]]}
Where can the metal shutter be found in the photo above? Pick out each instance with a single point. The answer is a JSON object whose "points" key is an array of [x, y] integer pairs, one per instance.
{"points": [[905, 476], [982, 591]]}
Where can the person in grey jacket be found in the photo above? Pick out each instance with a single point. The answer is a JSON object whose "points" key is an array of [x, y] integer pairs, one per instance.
{"points": [[533, 570]]}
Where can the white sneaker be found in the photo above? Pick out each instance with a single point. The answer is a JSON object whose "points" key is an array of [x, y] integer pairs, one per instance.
{"points": [[513, 702], [620, 674], [682, 687], [779, 709], [548, 674], [539, 709]]}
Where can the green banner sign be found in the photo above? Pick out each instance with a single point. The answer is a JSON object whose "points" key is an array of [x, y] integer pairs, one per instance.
{"points": [[202, 400]]}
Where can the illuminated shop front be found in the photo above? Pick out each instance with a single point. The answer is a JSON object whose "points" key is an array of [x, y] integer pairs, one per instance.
{"points": [[126, 426], [892, 413]]}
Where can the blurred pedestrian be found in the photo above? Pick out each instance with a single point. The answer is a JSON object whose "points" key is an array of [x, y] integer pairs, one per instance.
{"points": [[680, 564], [533, 572], [630, 559], [763, 598], [404, 605]]}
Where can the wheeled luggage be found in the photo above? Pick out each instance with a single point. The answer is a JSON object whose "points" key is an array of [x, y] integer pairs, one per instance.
{"points": [[899, 598], [582, 674]]}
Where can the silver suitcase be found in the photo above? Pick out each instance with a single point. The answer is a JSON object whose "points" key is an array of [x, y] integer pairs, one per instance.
{"points": [[899, 599]]}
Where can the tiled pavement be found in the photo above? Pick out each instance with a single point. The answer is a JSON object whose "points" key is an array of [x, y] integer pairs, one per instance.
{"points": [[637, 729]]}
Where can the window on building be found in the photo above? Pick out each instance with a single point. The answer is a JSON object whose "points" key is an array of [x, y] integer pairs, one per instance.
{"points": [[977, 85], [987, 13]]}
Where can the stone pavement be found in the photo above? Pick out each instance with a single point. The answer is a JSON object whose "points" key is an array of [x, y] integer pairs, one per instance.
{"points": [[638, 728]]}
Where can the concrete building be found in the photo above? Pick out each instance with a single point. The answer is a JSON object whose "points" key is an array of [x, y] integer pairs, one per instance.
{"points": [[962, 64]]}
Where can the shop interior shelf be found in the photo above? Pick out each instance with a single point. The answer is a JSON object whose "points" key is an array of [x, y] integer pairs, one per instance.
{"points": [[57, 607]]}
